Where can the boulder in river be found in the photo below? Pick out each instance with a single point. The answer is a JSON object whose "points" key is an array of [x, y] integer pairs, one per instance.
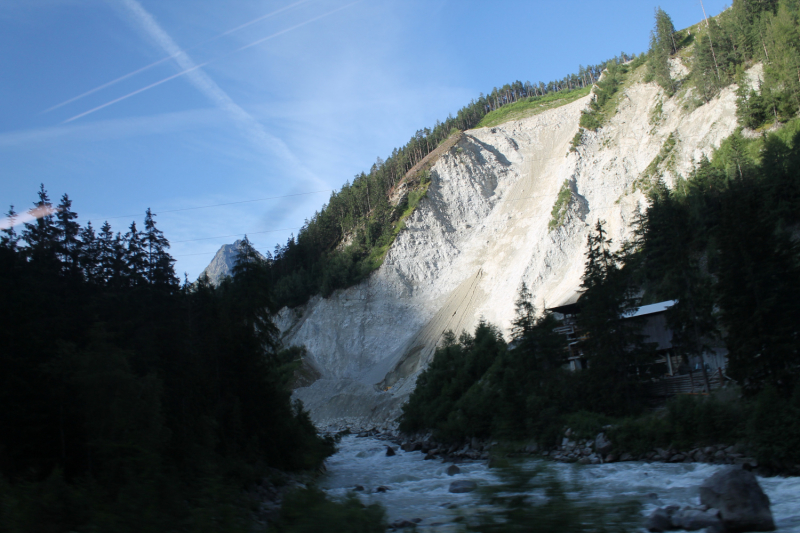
{"points": [[742, 504], [452, 470], [463, 486], [389, 451]]}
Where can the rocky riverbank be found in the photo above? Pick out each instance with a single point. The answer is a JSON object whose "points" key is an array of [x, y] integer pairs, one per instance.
{"points": [[597, 450]]}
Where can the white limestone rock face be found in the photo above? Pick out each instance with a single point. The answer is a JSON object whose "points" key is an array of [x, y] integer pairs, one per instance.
{"points": [[480, 232]]}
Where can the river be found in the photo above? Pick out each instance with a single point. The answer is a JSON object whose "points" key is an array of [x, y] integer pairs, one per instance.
{"points": [[419, 488]]}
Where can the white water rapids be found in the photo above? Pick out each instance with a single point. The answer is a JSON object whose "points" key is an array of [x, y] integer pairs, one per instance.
{"points": [[419, 488]]}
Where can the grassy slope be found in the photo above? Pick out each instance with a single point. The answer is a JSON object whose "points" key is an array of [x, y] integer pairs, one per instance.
{"points": [[530, 107]]}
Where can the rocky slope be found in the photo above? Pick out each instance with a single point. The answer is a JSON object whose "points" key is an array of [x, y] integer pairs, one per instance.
{"points": [[482, 230]]}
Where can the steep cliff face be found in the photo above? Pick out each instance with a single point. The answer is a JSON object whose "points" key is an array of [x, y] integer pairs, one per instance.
{"points": [[482, 230]]}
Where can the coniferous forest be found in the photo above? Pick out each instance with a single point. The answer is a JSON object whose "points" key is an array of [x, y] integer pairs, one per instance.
{"points": [[130, 402]]}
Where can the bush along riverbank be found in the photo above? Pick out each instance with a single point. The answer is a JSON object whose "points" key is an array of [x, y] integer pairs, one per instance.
{"points": [[762, 434]]}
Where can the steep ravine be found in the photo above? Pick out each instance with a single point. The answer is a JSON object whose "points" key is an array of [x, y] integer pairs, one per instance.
{"points": [[481, 230]]}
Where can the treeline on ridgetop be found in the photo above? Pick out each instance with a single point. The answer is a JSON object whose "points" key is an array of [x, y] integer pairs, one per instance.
{"points": [[130, 402], [347, 239], [723, 243]]}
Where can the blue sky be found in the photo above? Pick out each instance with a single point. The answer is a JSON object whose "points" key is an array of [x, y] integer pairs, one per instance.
{"points": [[293, 103]]}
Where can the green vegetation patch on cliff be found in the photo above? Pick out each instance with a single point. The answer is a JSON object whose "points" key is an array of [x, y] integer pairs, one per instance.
{"points": [[559, 213], [608, 92], [531, 106]]}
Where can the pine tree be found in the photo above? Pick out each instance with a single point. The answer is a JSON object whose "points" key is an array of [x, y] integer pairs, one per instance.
{"points": [[612, 343], [90, 254], [105, 244], [67, 231], [135, 256], [662, 45], [10, 238], [160, 269], [40, 235]]}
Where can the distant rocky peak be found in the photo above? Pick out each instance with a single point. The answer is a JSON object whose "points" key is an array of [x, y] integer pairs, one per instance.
{"points": [[223, 262]]}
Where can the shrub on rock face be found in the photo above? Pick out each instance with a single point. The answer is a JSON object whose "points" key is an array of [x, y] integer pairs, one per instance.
{"points": [[742, 504]]}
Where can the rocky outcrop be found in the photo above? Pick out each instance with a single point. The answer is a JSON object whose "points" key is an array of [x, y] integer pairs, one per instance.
{"points": [[480, 232]]}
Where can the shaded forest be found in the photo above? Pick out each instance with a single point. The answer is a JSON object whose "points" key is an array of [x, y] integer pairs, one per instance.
{"points": [[130, 402]]}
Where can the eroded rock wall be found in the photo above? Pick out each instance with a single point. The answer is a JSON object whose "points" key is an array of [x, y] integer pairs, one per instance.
{"points": [[480, 232]]}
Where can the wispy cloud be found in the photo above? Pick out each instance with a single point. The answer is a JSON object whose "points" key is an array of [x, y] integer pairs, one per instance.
{"points": [[105, 130], [164, 59]]}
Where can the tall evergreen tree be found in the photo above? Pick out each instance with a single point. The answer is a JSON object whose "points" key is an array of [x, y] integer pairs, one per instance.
{"points": [[67, 233], [105, 242], [40, 235], [90, 254], [662, 45], [9, 239], [612, 343], [135, 256], [160, 269]]}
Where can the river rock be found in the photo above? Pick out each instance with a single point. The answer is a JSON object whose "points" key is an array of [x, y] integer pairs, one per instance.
{"points": [[742, 504], [661, 519], [694, 519], [402, 524], [389, 451], [465, 485], [602, 445], [452, 470], [382, 488]]}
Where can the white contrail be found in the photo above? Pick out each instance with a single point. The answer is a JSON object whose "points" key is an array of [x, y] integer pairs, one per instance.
{"points": [[263, 139], [151, 65], [296, 26], [134, 92]]}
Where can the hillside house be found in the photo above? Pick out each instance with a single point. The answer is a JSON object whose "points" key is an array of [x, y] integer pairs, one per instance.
{"points": [[654, 329]]}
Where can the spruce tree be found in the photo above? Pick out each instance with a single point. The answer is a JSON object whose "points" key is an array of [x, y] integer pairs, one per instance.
{"points": [[662, 45], [40, 235], [612, 343], [90, 254], [105, 244], [67, 232], [160, 270], [9, 239], [135, 256]]}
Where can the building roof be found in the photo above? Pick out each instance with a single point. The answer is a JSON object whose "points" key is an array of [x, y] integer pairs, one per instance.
{"points": [[659, 307]]}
